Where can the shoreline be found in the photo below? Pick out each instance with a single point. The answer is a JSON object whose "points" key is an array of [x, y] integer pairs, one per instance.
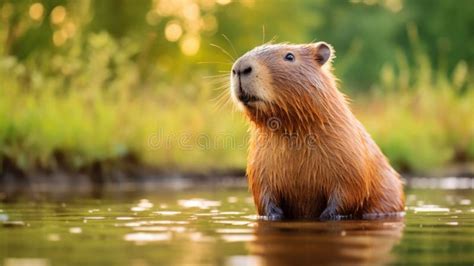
{"points": [[126, 177]]}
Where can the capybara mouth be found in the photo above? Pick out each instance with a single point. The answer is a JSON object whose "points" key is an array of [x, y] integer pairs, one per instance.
{"points": [[246, 98]]}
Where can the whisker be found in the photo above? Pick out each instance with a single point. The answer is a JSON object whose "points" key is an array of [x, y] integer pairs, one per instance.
{"points": [[231, 45], [219, 86], [221, 100], [223, 77], [221, 95], [224, 51], [218, 97], [221, 80], [215, 76], [217, 82], [216, 62], [227, 102], [222, 87], [273, 39]]}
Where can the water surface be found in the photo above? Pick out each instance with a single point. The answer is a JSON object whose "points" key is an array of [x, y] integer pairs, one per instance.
{"points": [[218, 227]]}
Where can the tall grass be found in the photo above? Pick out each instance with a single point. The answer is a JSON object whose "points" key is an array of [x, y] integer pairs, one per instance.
{"points": [[78, 110], [422, 119]]}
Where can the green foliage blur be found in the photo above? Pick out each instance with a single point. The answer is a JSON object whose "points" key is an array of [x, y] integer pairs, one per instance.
{"points": [[101, 81]]}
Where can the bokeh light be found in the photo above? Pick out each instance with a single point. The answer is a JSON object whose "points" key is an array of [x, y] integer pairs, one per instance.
{"points": [[70, 29], [190, 45], [209, 23], [36, 11], [223, 2], [152, 18], [207, 4], [58, 15], [394, 5], [173, 31], [188, 18], [59, 37], [191, 11]]}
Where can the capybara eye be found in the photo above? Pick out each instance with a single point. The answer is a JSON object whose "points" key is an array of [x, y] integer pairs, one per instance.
{"points": [[290, 57]]}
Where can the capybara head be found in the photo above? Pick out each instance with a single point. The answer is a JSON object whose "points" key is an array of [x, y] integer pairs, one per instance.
{"points": [[284, 81]]}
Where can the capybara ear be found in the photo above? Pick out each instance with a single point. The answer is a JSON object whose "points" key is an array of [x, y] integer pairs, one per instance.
{"points": [[323, 52]]}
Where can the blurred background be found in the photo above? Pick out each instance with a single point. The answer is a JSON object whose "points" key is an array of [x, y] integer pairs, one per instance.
{"points": [[117, 84]]}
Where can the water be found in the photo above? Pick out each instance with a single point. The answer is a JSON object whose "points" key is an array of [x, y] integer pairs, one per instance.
{"points": [[219, 227]]}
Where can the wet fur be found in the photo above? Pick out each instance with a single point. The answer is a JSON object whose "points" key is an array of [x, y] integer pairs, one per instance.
{"points": [[316, 160]]}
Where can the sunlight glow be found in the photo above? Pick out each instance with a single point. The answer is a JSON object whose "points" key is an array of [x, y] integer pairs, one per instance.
{"points": [[70, 29], [209, 23], [190, 45], [207, 4], [173, 31], [248, 3], [152, 18], [58, 15], [198, 203], [187, 19], [223, 2], [141, 237], [394, 5], [59, 37], [191, 11], [36, 11]]}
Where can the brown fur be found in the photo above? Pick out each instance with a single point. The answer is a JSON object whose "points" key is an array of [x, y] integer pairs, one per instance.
{"points": [[309, 156]]}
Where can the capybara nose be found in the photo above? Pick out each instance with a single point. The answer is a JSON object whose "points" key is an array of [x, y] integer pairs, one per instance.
{"points": [[242, 69], [247, 71]]}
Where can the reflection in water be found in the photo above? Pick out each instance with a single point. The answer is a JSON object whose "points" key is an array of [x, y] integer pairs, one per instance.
{"points": [[341, 242], [141, 238], [26, 261]]}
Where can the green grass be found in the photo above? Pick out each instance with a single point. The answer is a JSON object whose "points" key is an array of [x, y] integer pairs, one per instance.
{"points": [[74, 111], [36, 127], [425, 125], [90, 112]]}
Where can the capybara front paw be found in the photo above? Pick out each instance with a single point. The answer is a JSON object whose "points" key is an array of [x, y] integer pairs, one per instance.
{"points": [[274, 213], [271, 210], [329, 214]]}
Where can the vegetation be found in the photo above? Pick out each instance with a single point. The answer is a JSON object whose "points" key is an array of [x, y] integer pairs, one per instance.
{"points": [[95, 118], [86, 82], [427, 125]]}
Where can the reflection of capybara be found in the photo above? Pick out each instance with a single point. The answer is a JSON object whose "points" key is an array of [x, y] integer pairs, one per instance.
{"points": [[309, 156], [327, 243]]}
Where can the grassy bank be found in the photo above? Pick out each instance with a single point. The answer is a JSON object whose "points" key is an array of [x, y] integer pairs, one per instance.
{"points": [[88, 107], [75, 109], [426, 126]]}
